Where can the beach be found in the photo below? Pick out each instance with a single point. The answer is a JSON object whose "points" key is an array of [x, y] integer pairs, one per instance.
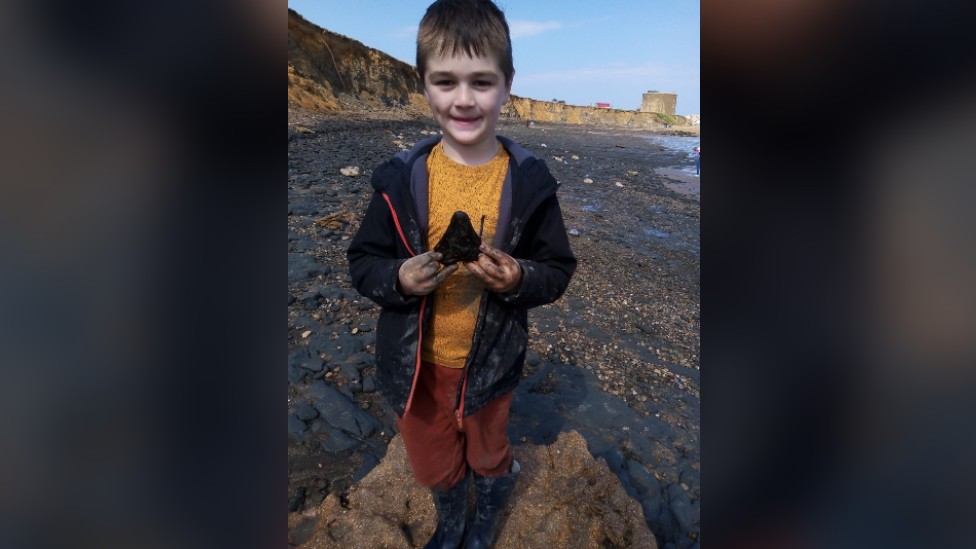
{"points": [[623, 343]]}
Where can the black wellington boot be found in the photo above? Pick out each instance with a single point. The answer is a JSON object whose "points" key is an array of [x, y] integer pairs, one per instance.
{"points": [[452, 516], [493, 494]]}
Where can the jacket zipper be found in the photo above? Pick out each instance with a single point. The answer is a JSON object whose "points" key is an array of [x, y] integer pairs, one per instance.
{"points": [[475, 341], [462, 389]]}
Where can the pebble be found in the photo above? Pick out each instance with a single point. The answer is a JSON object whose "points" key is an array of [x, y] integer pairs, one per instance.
{"points": [[587, 180], [350, 171], [574, 232]]}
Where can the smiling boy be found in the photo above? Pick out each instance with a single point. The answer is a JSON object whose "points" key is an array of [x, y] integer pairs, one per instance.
{"points": [[451, 340]]}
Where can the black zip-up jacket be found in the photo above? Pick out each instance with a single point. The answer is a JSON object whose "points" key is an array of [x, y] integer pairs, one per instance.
{"points": [[530, 229]]}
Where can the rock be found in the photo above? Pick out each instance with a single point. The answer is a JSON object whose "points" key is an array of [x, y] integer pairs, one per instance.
{"points": [[574, 232], [336, 408], [296, 374], [330, 438], [305, 358], [681, 507], [303, 244], [296, 428], [619, 184], [369, 385], [311, 300], [302, 267], [350, 171], [564, 498], [587, 180], [460, 241], [351, 371], [297, 500], [360, 360], [305, 412]]}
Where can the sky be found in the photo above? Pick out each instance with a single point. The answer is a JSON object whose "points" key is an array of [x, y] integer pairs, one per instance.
{"points": [[579, 51]]}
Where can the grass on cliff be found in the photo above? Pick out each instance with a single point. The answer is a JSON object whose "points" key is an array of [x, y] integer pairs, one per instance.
{"points": [[666, 118]]}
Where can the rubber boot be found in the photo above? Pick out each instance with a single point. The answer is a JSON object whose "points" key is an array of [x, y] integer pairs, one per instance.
{"points": [[493, 494], [452, 516]]}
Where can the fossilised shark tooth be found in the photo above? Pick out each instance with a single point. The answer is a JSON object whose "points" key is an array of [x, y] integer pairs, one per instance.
{"points": [[460, 242]]}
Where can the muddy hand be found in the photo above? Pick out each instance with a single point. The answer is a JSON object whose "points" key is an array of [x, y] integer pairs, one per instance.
{"points": [[420, 274], [497, 270]]}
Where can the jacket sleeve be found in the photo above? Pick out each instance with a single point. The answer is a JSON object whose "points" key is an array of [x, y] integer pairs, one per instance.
{"points": [[374, 260], [546, 259]]}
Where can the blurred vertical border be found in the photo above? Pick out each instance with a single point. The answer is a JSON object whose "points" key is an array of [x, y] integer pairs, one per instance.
{"points": [[141, 330], [838, 310]]}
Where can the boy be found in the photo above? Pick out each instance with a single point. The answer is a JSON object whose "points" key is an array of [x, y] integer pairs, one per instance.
{"points": [[451, 339]]}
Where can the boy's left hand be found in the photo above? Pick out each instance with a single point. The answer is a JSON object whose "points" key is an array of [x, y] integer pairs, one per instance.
{"points": [[497, 270]]}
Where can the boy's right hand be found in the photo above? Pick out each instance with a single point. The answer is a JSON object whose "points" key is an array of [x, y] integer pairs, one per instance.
{"points": [[420, 274]]}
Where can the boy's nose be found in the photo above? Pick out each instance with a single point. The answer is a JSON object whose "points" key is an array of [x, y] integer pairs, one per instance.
{"points": [[465, 97]]}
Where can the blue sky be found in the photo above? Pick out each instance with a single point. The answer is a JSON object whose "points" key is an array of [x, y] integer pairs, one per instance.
{"points": [[583, 52]]}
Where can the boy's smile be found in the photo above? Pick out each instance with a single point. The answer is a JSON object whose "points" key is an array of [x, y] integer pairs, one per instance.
{"points": [[466, 95]]}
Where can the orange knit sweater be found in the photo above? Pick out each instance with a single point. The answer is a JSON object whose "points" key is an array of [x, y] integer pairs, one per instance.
{"points": [[475, 190]]}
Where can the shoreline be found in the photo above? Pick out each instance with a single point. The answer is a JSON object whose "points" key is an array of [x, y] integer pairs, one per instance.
{"points": [[681, 181]]}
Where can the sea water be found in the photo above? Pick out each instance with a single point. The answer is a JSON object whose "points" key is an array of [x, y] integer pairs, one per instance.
{"points": [[684, 145]]}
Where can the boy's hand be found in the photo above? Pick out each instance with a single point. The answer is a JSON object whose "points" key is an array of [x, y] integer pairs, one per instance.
{"points": [[420, 274], [497, 270]]}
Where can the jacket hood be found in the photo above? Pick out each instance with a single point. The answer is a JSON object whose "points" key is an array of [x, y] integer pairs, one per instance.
{"points": [[422, 148]]}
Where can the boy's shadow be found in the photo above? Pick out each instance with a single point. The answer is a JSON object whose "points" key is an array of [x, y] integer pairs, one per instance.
{"points": [[542, 402]]}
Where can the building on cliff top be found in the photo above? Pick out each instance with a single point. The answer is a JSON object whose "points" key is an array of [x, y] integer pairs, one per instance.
{"points": [[662, 102]]}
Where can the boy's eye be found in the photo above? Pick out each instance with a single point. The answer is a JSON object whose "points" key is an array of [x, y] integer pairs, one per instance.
{"points": [[443, 82], [482, 83]]}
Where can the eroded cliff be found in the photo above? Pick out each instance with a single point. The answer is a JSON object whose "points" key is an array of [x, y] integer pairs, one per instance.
{"points": [[328, 72]]}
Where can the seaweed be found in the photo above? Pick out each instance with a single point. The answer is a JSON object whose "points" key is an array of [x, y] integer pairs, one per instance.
{"points": [[460, 242]]}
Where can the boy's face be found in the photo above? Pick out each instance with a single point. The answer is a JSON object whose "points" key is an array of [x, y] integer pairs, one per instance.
{"points": [[466, 96]]}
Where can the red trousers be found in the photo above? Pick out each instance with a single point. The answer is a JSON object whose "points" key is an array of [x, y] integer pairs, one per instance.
{"points": [[439, 449]]}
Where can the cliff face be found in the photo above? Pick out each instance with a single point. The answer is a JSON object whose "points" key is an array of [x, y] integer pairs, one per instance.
{"points": [[330, 72], [545, 111]]}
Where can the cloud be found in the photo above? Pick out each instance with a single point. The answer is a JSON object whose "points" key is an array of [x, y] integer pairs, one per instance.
{"points": [[406, 32], [612, 72], [521, 28]]}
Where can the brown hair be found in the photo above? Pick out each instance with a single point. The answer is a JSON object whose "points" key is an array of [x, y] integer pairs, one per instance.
{"points": [[474, 27]]}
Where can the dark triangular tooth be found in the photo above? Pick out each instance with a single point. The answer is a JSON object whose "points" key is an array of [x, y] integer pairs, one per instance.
{"points": [[460, 242]]}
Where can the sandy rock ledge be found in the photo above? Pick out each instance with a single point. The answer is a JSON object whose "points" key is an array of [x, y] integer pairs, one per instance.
{"points": [[564, 498]]}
